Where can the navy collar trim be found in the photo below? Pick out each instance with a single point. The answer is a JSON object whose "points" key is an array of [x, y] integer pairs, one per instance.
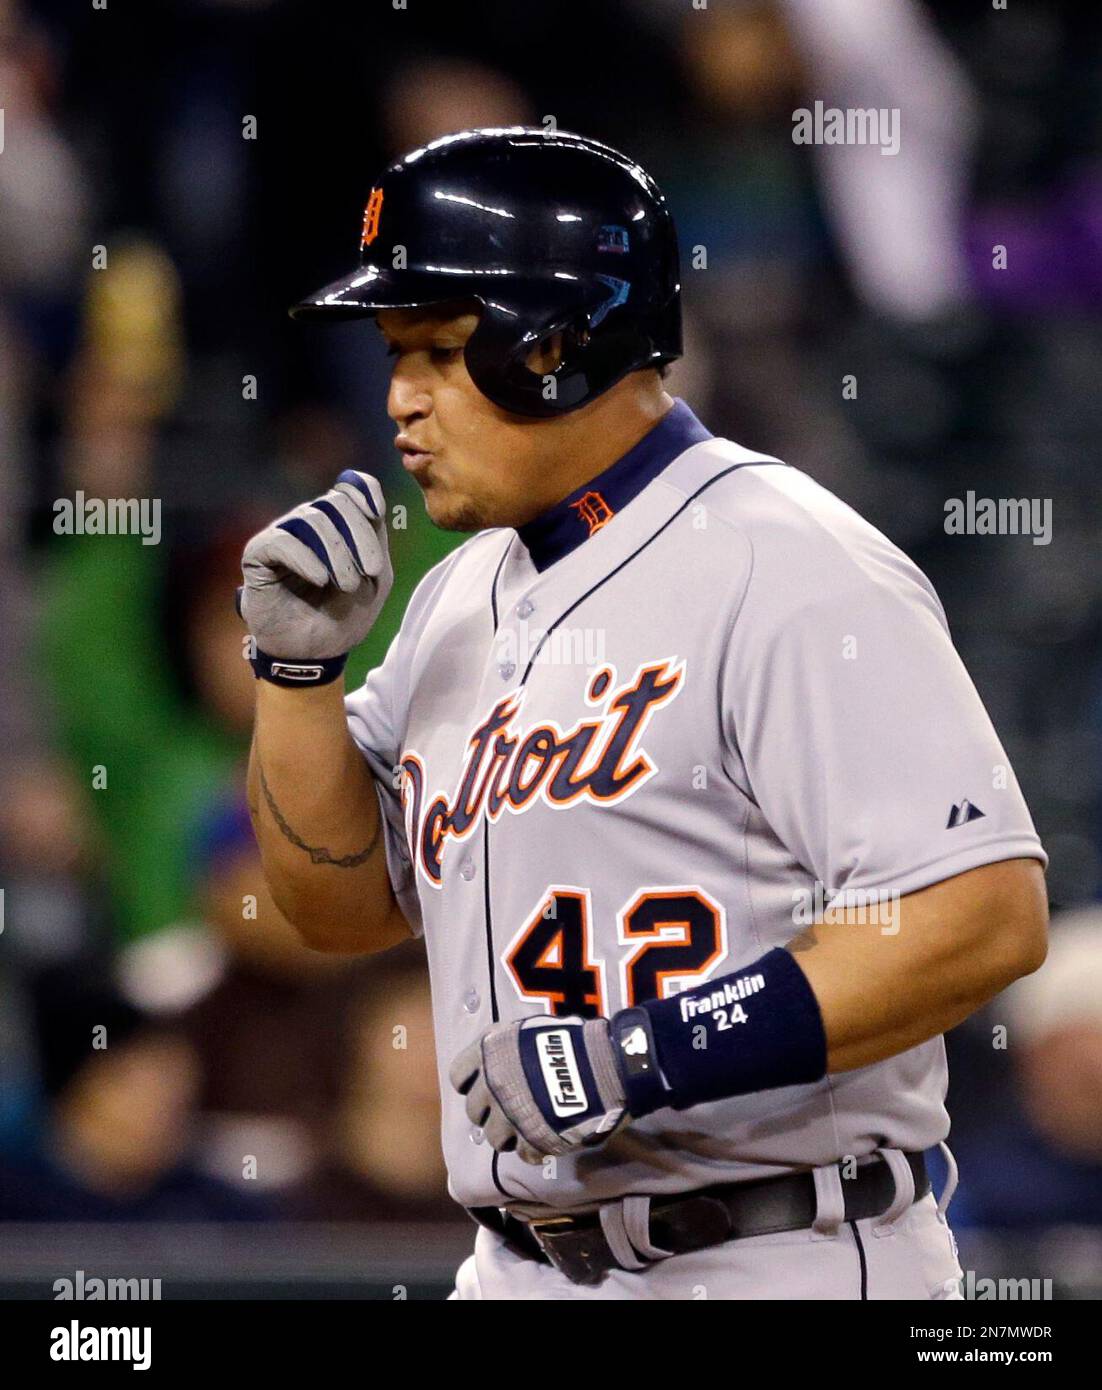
{"points": [[563, 527]]}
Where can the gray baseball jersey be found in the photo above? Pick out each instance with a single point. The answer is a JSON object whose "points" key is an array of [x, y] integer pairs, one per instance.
{"points": [[633, 746]]}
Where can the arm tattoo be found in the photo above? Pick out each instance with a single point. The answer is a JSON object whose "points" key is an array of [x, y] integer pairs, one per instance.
{"points": [[318, 855]]}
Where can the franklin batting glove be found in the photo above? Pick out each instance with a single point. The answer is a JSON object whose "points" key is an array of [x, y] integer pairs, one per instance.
{"points": [[542, 1086], [315, 582]]}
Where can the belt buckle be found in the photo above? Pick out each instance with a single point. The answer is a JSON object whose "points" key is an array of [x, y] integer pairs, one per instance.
{"points": [[537, 1225], [581, 1253]]}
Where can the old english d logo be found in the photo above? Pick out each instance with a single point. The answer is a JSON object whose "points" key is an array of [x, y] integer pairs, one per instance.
{"points": [[372, 213], [593, 510]]}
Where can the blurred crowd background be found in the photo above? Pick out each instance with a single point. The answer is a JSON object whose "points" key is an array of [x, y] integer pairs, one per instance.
{"points": [[171, 371]]}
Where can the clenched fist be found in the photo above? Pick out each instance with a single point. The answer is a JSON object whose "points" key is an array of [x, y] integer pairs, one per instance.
{"points": [[317, 578], [543, 1085]]}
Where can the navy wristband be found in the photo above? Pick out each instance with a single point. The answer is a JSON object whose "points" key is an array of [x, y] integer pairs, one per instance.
{"points": [[292, 672], [753, 1030]]}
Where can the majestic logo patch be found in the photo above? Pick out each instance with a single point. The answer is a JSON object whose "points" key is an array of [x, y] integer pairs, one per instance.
{"points": [[962, 814], [560, 1073], [372, 213], [509, 768], [593, 510]]}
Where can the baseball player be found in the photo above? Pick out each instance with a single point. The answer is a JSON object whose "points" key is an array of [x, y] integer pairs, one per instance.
{"points": [[672, 763]]}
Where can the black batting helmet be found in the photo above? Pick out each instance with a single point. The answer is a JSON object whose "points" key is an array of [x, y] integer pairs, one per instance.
{"points": [[549, 232]]}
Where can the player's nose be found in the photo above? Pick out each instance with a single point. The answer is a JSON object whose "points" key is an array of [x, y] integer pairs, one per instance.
{"points": [[407, 398]]}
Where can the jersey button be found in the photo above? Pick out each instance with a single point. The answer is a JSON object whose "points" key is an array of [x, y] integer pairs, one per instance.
{"points": [[471, 1001], [466, 870], [506, 669], [525, 608], [475, 1136]]}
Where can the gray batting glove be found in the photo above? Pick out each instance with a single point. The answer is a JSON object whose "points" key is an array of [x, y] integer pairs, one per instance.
{"points": [[542, 1086], [317, 578]]}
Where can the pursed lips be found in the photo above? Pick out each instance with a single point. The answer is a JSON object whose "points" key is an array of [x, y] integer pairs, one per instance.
{"points": [[414, 458]]}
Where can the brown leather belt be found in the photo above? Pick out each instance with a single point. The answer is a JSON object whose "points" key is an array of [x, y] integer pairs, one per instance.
{"points": [[577, 1246]]}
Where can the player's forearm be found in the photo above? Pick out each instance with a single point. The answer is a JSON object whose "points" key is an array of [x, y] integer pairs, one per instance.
{"points": [[948, 950], [844, 995], [317, 822]]}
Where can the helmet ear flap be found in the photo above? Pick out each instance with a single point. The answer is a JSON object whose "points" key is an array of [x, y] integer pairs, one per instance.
{"points": [[596, 352], [497, 354]]}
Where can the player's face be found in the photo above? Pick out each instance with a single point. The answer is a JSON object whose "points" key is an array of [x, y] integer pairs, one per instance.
{"points": [[477, 465]]}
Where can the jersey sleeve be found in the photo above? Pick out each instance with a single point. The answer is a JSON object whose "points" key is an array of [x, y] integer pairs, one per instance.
{"points": [[853, 725], [376, 728], [377, 716]]}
